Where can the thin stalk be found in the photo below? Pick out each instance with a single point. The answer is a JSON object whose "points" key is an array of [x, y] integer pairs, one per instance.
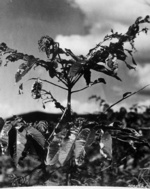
{"points": [[57, 125], [61, 80], [49, 83], [133, 93], [69, 102]]}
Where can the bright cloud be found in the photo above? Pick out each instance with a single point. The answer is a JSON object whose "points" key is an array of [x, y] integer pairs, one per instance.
{"points": [[100, 17], [142, 74]]}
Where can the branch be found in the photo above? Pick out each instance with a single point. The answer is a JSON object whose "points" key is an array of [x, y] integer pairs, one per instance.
{"points": [[125, 98], [61, 80], [49, 83], [50, 137], [57, 104], [92, 83]]}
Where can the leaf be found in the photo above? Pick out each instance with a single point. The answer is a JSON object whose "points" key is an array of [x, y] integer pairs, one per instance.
{"points": [[42, 126], [129, 66], [79, 150], [126, 94], [133, 61], [67, 146], [53, 148], [25, 67], [106, 145], [74, 69], [90, 138], [21, 89], [37, 136], [87, 76], [1, 123], [52, 68], [91, 97], [17, 141], [100, 80], [52, 154]]}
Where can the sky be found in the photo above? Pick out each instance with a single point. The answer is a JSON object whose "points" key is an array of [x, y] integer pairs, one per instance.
{"points": [[78, 25]]}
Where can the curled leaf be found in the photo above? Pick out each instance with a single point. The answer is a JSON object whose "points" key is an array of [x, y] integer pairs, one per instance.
{"points": [[21, 89], [99, 80], [36, 89]]}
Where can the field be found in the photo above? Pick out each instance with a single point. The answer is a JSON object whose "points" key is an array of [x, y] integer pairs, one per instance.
{"points": [[127, 165]]}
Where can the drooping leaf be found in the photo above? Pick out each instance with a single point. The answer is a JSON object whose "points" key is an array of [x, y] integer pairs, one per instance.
{"points": [[37, 136], [87, 76], [126, 94], [106, 145], [74, 69], [52, 68], [17, 141], [67, 146], [79, 150]]}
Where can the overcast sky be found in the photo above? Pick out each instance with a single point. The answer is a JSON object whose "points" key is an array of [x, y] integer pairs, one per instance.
{"points": [[78, 25]]}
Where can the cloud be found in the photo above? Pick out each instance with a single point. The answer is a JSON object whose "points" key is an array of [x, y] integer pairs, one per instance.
{"points": [[6, 110], [142, 74], [100, 17]]}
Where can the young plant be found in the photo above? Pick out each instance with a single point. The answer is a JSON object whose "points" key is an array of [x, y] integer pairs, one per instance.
{"points": [[79, 141]]}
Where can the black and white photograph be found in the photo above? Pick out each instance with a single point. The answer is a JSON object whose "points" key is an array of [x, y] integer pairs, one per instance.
{"points": [[75, 93]]}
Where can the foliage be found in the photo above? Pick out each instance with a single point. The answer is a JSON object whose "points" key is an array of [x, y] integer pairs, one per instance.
{"points": [[76, 151]]}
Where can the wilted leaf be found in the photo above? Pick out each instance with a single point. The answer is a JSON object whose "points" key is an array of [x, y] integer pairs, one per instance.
{"points": [[126, 94], [36, 89], [37, 136], [106, 145]]}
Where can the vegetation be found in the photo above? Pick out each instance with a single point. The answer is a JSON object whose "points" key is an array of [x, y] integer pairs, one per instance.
{"points": [[105, 149]]}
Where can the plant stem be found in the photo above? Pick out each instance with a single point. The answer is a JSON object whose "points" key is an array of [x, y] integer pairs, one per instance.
{"points": [[69, 103], [57, 125]]}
